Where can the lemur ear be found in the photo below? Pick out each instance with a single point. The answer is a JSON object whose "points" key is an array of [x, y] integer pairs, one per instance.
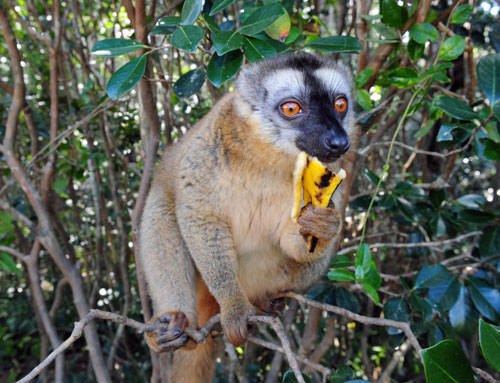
{"points": [[246, 76]]}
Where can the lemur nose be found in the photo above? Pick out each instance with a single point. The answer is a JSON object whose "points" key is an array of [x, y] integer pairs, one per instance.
{"points": [[337, 145]]}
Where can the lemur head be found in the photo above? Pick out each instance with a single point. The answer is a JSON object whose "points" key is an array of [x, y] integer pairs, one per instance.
{"points": [[300, 102]]}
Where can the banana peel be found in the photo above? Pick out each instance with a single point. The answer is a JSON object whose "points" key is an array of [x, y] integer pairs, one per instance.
{"points": [[313, 183]]}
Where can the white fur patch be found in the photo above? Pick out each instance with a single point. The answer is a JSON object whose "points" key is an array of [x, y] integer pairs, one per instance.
{"points": [[290, 79], [333, 80]]}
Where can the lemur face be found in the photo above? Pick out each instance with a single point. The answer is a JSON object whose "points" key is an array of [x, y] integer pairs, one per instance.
{"points": [[301, 103]]}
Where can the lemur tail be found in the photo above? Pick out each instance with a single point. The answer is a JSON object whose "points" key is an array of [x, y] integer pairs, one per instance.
{"points": [[194, 366]]}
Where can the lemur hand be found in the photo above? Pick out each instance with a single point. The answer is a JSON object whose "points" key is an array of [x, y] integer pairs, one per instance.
{"points": [[234, 321], [321, 222]]}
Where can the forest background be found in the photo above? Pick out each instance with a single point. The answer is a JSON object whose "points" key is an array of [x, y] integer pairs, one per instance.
{"points": [[92, 92]]}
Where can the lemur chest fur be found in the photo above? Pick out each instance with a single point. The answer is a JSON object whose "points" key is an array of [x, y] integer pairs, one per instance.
{"points": [[257, 220]]}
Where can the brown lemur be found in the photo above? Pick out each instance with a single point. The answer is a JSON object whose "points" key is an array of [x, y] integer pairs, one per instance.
{"points": [[216, 233]]}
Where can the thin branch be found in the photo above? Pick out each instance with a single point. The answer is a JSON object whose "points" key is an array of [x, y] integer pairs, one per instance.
{"points": [[439, 244], [315, 366], [405, 327], [14, 252], [484, 375], [197, 335]]}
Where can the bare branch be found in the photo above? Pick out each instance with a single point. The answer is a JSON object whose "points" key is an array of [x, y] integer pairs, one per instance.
{"points": [[14, 252], [405, 327], [437, 244], [484, 375]]}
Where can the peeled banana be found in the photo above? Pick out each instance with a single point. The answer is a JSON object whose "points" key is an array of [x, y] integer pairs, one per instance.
{"points": [[316, 183]]}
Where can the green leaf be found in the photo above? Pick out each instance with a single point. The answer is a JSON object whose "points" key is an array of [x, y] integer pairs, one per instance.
{"points": [[363, 76], [489, 341], [256, 50], [341, 375], [462, 13], [421, 305], [486, 298], [187, 37], [446, 363], [347, 300], [6, 225], [336, 44], [489, 243], [293, 35], [407, 189], [340, 260], [472, 201], [446, 293], [372, 293], [223, 68], [444, 133], [496, 110], [115, 47], [415, 50], [396, 309], [363, 258], [393, 14], [456, 108], [424, 129], [373, 278], [452, 48], [463, 317], [403, 77], [8, 264], [384, 31], [342, 275], [492, 130], [219, 5], [430, 276], [363, 99], [190, 11], [189, 83], [209, 21], [166, 25], [423, 32], [260, 19], [475, 217], [280, 29], [491, 150], [227, 41], [126, 77], [372, 177], [60, 184], [488, 74], [279, 46]]}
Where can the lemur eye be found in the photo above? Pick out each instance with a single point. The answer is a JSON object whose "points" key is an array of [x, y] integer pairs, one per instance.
{"points": [[290, 109], [340, 104]]}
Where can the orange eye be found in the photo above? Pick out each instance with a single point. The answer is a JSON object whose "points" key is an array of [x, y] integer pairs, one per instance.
{"points": [[341, 104], [290, 109]]}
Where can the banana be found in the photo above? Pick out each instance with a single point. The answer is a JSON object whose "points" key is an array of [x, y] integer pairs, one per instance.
{"points": [[316, 183]]}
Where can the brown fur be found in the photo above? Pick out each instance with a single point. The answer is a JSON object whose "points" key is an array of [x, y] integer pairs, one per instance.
{"points": [[216, 230]]}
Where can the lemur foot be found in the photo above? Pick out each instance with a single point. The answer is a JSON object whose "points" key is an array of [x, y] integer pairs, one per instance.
{"points": [[273, 307], [171, 337]]}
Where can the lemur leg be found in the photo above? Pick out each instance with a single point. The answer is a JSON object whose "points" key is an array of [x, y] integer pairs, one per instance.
{"points": [[169, 271], [198, 365], [210, 243]]}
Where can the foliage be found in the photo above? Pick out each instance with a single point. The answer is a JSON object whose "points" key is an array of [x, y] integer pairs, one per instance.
{"points": [[421, 240]]}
